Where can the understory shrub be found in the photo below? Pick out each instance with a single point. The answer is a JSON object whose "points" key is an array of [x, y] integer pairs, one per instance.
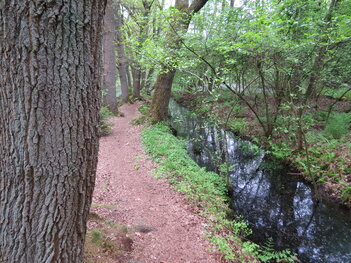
{"points": [[338, 125], [105, 125]]}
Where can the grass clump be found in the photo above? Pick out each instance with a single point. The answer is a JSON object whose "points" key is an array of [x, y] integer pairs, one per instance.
{"points": [[144, 110], [238, 125], [338, 125], [97, 237], [206, 191], [107, 242], [100, 205], [343, 93], [105, 125]]}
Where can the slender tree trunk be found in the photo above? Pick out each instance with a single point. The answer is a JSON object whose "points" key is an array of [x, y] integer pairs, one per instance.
{"points": [[142, 79], [142, 36], [163, 85], [136, 82], [148, 80], [109, 80], [315, 71], [129, 78], [49, 115], [122, 61], [322, 50]]}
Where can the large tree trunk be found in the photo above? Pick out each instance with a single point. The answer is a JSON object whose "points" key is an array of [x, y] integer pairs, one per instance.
{"points": [[109, 83], [162, 94], [163, 85], [122, 61], [49, 115]]}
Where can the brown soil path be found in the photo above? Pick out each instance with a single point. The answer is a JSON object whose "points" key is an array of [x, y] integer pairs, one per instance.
{"points": [[139, 200]]}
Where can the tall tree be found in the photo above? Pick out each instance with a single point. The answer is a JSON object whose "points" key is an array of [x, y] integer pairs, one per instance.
{"points": [[49, 114], [162, 88], [109, 58], [138, 29], [122, 60]]}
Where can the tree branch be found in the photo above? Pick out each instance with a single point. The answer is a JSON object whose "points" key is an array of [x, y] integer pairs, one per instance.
{"points": [[196, 5]]}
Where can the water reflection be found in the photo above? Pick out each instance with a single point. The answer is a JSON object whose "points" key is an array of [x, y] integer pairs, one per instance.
{"points": [[274, 203]]}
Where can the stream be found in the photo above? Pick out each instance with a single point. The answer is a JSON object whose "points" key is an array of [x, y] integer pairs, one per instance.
{"points": [[278, 206]]}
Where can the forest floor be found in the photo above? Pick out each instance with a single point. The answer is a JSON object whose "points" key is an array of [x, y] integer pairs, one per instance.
{"points": [[136, 218]]}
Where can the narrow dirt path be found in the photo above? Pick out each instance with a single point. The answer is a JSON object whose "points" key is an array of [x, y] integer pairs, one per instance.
{"points": [[169, 232]]}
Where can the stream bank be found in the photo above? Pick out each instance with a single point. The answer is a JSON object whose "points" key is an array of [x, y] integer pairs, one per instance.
{"points": [[328, 163], [282, 209]]}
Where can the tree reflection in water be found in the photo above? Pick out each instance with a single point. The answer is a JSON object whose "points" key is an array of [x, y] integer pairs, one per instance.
{"points": [[276, 205]]}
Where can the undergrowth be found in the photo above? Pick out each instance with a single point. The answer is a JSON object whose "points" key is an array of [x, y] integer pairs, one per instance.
{"points": [[105, 125], [107, 242], [143, 109], [325, 158], [207, 192]]}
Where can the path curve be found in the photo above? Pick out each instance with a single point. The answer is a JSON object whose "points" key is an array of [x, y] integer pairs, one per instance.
{"points": [[124, 181]]}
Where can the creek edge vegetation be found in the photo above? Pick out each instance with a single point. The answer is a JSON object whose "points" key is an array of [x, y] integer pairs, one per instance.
{"points": [[207, 193]]}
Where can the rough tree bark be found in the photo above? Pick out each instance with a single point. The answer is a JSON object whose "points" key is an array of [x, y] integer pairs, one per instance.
{"points": [[109, 59], [49, 114], [162, 94], [163, 85]]}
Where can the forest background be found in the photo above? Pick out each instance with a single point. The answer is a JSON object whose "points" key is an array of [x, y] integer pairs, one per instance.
{"points": [[277, 72]]}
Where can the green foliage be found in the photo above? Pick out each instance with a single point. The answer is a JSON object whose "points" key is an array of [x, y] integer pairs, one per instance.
{"points": [[223, 246], [205, 190], [196, 182], [277, 56], [97, 237], [338, 125], [327, 162], [139, 120], [203, 109], [144, 109], [321, 116], [238, 125], [280, 150], [137, 162], [105, 125], [337, 93], [267, 253]]}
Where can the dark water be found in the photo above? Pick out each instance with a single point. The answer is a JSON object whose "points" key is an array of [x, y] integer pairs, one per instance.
{"points": [[276, 205]]}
